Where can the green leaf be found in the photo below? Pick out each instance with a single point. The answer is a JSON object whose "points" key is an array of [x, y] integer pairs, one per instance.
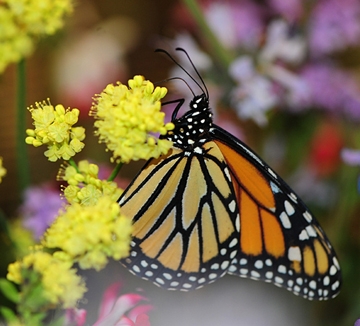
{"points": [[9, 290], [8, 314]]}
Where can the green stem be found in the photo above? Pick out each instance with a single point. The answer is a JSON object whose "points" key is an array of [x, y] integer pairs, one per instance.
{"points": [[223, 56], [73, 164], [115, 172], [23, 166]]}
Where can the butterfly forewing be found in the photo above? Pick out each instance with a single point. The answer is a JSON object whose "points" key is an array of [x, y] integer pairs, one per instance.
{"points": [[280, 241], [185, 238]]}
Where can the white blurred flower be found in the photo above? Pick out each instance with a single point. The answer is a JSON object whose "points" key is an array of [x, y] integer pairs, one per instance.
{"points": [[255, 94], [281, 45]]}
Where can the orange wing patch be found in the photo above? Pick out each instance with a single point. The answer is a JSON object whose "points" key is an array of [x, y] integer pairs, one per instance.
{"points": [[251, 237], [210, 247], [248, 176], [309, 261], [273, 235], [260, 229], [322, 258]]}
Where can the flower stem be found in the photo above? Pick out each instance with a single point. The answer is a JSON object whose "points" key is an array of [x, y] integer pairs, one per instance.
{"points": [[73, 164], [223, 56], [23, 166], [115, 172]]}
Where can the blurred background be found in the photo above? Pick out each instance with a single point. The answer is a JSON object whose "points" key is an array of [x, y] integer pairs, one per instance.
{"points": [[283, 76]]}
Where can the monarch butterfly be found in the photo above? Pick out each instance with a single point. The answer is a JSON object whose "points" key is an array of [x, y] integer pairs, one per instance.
{"points": [[211, 206]]}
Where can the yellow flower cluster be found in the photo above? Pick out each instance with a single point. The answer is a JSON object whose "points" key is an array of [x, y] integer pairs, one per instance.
{"points": [[128, 117], [84, 186], [2, 169], [59, 282], [23, 21], [54, 127], [89, 235]]}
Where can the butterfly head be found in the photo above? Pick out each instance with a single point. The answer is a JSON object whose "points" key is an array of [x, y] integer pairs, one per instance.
{"points": [[191, 128]]}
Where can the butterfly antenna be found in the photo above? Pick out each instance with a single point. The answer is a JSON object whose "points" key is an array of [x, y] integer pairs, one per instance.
{"points": [[174, 78], [197, 71], [182, 68]]}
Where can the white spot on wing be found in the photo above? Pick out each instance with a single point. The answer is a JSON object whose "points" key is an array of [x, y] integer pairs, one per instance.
{"points": [[312, 285], [294, 254], [275, 189], [136, 269], [293, 197], [284, 218], [289, 208], [311, 231], [336, 263], [237, 223], [268, 262], [282, 269], [333, 270], [326, 280], [198, 150], [307, 217], [243, 261], [227, 173], [303, 235], [279, 280], [259, 264], [335, 285], [167, 276], [272, 173], [233, 243], [255, 274], [232, 206], [225, 265], [122, 200]]}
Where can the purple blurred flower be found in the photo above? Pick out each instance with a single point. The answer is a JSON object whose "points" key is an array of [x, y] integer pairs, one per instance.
{"points": [[333, 89], [292, 10], [41, 206], [351, 157], [357, 323], [334, 25], [235, 23]]}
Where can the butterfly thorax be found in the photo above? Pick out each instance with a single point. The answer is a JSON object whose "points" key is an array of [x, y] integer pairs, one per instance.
{"points": [[192, 128]]}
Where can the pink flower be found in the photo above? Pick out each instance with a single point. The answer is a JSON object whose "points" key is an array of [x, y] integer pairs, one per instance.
{"points": [[290, 9], [75, 317], [113, 309], [351, 157], [235, 23]]}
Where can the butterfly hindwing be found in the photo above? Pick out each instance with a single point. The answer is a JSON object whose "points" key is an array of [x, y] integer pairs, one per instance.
{"points": [[280, 241], [184, 217]]}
